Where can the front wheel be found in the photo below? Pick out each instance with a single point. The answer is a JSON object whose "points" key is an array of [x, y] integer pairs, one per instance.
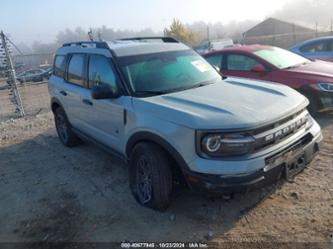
{"points": [[150, 176], [314, 106]]}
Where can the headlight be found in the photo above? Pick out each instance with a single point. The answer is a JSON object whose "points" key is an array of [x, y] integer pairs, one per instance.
{"points": [[223, 145], [212, 143], [309, 121], [326, 87]]}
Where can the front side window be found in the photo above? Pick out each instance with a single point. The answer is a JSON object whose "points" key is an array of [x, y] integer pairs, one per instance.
{"points": [[281, 58], [167, 71], [101, 72], [239, 62], [76, 69], [215, 60], [318, 46], [59, 66]]}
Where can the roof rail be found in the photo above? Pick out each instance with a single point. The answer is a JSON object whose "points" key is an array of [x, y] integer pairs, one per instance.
{"points": [[86, 44], [163, 38]]}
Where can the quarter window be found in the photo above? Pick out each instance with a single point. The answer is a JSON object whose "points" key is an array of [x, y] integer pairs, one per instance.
{"points": [[59, 66], [76, 69], [240, 62], [101, 72]]}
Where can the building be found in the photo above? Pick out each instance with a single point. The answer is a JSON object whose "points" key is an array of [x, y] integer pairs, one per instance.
{"points": [[278, 33]]}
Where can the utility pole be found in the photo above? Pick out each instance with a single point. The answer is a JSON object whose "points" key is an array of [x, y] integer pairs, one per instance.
{"points": [[15, 98], [208, 33], [208, 38], [294, 34]]}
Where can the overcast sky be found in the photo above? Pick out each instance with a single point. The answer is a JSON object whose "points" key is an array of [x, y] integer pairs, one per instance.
{"points": [[41, 20]]}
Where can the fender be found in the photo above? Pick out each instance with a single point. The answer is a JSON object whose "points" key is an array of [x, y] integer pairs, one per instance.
{"points": [[151, 137]]}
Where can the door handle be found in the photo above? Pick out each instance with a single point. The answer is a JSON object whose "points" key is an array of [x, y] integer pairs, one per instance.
{"points": [[87, 102], [63, 93]]}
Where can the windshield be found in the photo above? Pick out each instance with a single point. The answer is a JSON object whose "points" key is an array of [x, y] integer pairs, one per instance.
{"points": [[281, 58], [167, 71]]}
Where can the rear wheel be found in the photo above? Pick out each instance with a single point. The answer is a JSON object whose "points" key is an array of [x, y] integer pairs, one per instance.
{"points": [[150, 176], [65, 134]]}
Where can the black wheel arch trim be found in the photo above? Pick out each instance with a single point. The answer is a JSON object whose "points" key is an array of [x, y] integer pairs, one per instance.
{"points": [[54, 100], [145, 136], [310, 93]]}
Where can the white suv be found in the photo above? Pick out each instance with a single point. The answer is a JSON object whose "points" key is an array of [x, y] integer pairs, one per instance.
{"points": [[162, 108]]}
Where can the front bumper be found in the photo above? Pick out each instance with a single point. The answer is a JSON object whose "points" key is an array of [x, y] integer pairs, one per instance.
{"points": [[273, 168]]}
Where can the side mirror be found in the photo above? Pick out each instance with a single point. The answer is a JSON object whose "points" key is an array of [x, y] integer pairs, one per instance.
{"points": [[103, 91], [258, 68]]}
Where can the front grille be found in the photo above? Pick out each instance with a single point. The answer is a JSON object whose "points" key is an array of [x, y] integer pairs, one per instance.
{"points": [[299, 144], [281, 130], [278, 123]]}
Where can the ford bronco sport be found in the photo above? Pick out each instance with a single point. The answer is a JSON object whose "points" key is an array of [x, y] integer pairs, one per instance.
{"points": [[162, 108]]}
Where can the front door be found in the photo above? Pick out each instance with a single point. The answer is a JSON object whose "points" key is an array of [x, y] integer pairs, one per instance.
{"points": [[103, 118], [240, 65]]}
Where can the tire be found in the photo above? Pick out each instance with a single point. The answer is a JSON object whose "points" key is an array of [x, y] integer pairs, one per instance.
{"points": [[63, 127], [150, 176], [313, 107]]}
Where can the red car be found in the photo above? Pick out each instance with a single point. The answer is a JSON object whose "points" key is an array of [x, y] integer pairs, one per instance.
{"points": [[313, 78]]}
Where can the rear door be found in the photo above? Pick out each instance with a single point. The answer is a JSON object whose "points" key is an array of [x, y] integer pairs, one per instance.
{"points": [[57, 83], [103, 118], [75, 82]]}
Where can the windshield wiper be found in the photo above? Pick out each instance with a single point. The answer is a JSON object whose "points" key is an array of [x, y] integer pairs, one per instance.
{"points": [[200, 84], [152, 92]]}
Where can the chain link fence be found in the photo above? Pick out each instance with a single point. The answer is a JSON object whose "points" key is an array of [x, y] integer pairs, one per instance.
{"points": [[32, 72]]}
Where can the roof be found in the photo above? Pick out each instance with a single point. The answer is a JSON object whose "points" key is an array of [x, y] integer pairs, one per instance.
{"points": [[127, 47], [275, 26]]}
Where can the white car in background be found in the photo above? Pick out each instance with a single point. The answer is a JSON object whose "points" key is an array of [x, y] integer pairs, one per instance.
{"points": [[214, 45]]}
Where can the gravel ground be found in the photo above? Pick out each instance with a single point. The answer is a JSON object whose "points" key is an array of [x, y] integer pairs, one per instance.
{"points": [[52, 193], [35, 99]]}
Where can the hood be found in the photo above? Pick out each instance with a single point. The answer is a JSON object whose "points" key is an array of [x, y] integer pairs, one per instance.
{"points": [[315, 68], [234, 103]]}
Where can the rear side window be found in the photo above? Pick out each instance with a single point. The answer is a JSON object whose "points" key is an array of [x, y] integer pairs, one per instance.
{"points": [[59, 66], [101, 72], [76, 69], [240, 62], [215, 60]]}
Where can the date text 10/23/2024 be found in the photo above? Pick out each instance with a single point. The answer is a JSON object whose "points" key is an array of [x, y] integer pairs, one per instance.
{"points": [[163, 245]]}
